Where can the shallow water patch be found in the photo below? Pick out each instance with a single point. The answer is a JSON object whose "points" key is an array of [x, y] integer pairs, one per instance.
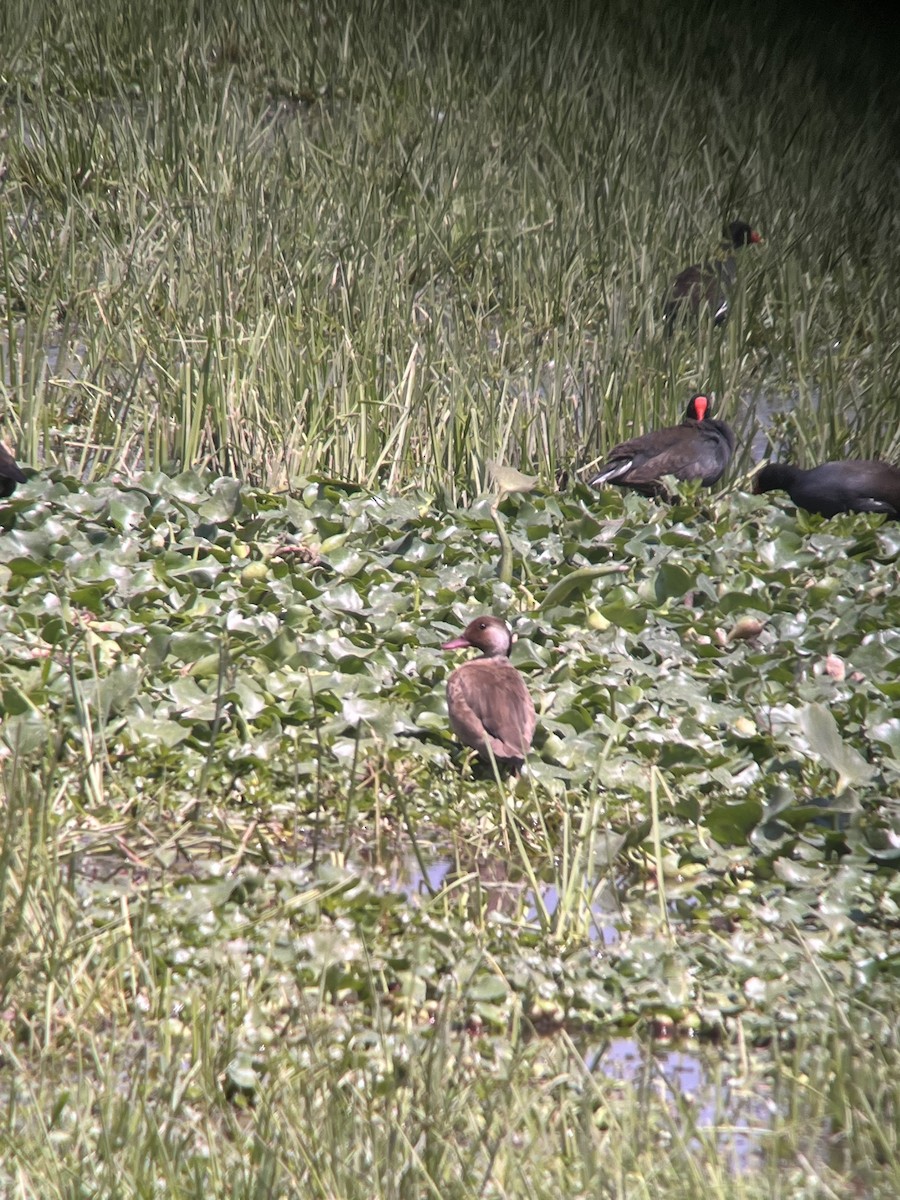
{"points": [[706, 1102]]}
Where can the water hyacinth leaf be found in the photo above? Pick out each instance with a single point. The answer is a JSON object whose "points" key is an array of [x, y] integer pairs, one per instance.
{"points": [[780, 800], [341, 598], [736, 603], [14, 701], [91, 595], [26, 568], [345, 561], [786, 551], [128, 510], [192, 702], [187, 487], [358, 710], [825, 740], [831, 813], [224, 501], [625, 613], [155, 731], [417, 552], [731, 823], [488, 989], [671, 582], [797, 873], [189, 647], [508, 479], [26, 733], [207, 666], [887, 733], [120, 686]]}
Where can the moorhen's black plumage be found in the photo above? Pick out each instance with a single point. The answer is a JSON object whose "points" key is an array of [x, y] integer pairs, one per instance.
{"points": [[490, 707], [709, 283], [10, 473], [850, 485], [698, 448]]}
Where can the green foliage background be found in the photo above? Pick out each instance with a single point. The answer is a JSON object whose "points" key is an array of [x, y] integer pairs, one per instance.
{"points": [[385, 242], [279, 282]]}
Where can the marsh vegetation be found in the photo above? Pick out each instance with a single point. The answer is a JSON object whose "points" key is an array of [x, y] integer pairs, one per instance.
{"points": [[279, 283]]}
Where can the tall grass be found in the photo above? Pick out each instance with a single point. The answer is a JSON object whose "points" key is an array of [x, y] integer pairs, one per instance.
{"points": [[143, 1051], [383, 242], [388, 242], [211, 1073]]}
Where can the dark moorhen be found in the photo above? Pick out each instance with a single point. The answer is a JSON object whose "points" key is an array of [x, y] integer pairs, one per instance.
{"points": [[709, 283], [10, 473], [488, 702], [698, 448], [850, 485]]}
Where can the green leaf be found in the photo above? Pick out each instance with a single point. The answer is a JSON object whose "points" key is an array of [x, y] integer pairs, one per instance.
{"points": [[824, 738], [224, 501], [489, 989], [731, 824], [671, 582], [508, 479]]}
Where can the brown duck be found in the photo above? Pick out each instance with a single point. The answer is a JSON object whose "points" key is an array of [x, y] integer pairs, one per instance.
{"points": [[10, 473], [698, 448], [849, 485], [490, 707], [708, 284]]}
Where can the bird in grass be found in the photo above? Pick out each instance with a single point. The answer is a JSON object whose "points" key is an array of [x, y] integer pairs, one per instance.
{"points": [[706, 285], [490, 707], [699, 448], [848, 485]]}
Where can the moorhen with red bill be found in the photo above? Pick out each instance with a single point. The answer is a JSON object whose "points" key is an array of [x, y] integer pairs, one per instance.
{"points": [[849, 485], [709, 283], [10, 474], [489, 705], [698, 448]]}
